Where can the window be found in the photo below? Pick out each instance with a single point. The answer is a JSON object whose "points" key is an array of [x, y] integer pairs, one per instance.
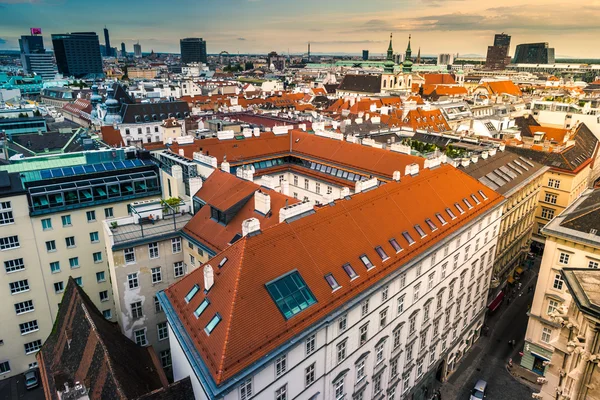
{"points": [[78, 280], [395, 245], [59, 287], [54, 267], [14, 265], [165, 358], [552, 306], [156, 275], [416, 292], [97, 257], [32, 347], [329, 190], [318, 188], [295, 180], [342, 323], [132, 280], [103, 295], [309, 375], [475, 199], [46, 223], [94, 238], [593, 264], [129, 255], [309, 345], [91, 216], [280, 365], [397, 337], [4, 367], [157, 307], [364, 308], [176, 245], [178, 269], [419, 368], [19, 286], [381, 253], [382, 318], [140, 337], [376, 385], [431, 225], [341, 351], [153, 250], [546, 335], [450, 213], [440, 218], [108, 212], [74, 262], [136, 309], [406, 383], [9, 242], [564, 258], [467, 203], [455, 265], [420, 231], [190, 295], [459, 208], [365, 260], [163, 331], [28, 327], [409, 353], [246, 389], [400, 305], [350, 271], [402, 281], [192, 260], [408, 238], [290, 294], [554, 183], [339, 389], [66, 220], [306, 184], [384, 293], [426, 311], [360, 370], [100, 277], [70, 241], [547, 213], [558, 282], [440, 297], [379, 354], [430, 281], [550, 198], [363, 334], [444, 270], [24, 307], [482, 194], [332, 282]]}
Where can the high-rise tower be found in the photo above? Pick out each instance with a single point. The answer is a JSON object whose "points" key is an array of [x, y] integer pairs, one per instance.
{"points": [[107, 43]]}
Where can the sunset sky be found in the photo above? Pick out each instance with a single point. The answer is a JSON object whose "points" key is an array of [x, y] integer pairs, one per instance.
{"points": [[349, 26]]}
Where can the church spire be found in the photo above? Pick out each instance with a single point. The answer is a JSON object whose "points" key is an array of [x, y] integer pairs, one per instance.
{"points": [[419, 56], [408, 50], [388, 65], [390, 52]]}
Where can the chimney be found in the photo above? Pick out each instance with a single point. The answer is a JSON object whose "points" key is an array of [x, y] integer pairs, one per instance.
{"points": [[225, 166], [195, 185], [209, 277], [465, 162], [396, 176], [294, 210], [474, 158], [285, 187], [262, 202], [412, 169], [484, 155], [250, 225]]}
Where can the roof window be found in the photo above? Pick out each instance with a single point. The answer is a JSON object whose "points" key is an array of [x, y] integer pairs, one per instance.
{"points": [[332, 282], [459, 208], [420, 231], [395, 245], [441, 219], [475, 199], [467, 203], [450, 213], [192, 293], [381, 253], [408, 238], [223, 261], [366, 261], [290, 294], [431, 225], [482, 194], [350, 271], [212, 324], [201, 308]]}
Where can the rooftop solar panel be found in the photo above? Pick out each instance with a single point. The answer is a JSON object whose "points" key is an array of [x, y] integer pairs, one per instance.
{"points": [[78, 170], [45, 174], [56, 173]]}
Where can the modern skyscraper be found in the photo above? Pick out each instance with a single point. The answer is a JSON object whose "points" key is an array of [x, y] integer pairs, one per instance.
{"points": [[77, 54], [365, 55], [193, 50], [534, 53], [497, 55], [137, 50], [34, 58], [107, 43], [123, 50], [445, 59]]}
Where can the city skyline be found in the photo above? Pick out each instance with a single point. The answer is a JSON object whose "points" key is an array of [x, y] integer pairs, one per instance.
{"points": [[261, 26]]}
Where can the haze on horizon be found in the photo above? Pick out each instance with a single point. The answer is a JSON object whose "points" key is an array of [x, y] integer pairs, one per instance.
{"points": [[343, 26]]}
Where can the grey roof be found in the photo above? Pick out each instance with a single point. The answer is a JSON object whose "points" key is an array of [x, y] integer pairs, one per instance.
{"points": [[584, 287], [361, 83], [10, 184], [584, 216], [146, 112]]}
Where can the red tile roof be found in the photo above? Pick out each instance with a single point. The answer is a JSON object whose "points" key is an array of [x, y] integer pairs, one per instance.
{"points": [[252, 326], [111, 136], [439, 79], [503, 87]]}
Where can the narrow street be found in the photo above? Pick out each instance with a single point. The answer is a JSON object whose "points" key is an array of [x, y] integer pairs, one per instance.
{"points": [[488, 358]]}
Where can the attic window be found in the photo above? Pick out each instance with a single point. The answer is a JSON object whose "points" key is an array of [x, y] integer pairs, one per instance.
{"points": [[146, 118], [137, 118], [381, 253], [408, 238], [450, 213], [201, 308], [482, 194], [475, 199], [420, 231], [395, 245], [223, 261], [459, 208], [467, 203], [290, 294], [441, 219], [431, 225], [192, 293], [366, 261], [332, 282], [350, 271], [212, 324]]}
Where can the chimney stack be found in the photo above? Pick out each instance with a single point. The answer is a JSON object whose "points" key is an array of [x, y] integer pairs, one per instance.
{"points": [[250, 225], [262, 202], [209, 277]]}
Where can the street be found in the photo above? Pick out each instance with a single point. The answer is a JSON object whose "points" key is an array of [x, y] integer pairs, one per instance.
{"points": [[488, 358], [14, 389]]}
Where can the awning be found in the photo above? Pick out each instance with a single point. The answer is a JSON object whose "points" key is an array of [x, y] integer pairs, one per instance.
{"points": [[510, 279], [496, 302], [519, 270], [539, 356]]}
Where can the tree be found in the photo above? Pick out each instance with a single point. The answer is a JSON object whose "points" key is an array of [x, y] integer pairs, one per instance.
{"points": [[248, 65]]}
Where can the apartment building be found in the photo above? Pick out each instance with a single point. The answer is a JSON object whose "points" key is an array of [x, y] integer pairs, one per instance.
{"points": [[53, 231], [572, 241], [379, 293]]}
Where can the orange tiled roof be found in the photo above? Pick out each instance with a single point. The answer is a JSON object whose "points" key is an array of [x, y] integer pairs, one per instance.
{"points": [[439, 79], [432, 120], [315, 245], [111, 136], [503, 87]]}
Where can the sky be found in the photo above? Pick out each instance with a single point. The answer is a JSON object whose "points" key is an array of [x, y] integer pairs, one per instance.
{"points": [[344, 26]]}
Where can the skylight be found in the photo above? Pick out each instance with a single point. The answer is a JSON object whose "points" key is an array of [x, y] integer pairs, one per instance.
{"points": [[192, 293], [223, 261], [475, 199], [395, 245], [201, 308], [350, 271], [420, 231], [482, 194], [467, 203], [431, 225], [459, 208], [441, 219], [381, 253], [450, 213], [408, 238], [366, 261], [290, 294], [332, 282], [212, 324]]}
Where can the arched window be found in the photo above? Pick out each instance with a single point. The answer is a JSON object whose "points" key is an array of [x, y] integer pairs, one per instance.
{"points": [[384, 83]]}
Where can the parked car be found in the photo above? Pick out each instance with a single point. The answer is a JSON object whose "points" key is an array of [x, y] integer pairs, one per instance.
{"points": [[31, 379], [479, 390]]}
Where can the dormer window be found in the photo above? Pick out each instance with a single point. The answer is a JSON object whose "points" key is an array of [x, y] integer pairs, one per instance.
{"points": [[431, 225], [459, 208], [441, 219], [154, 117], [137, 118], [146, 118], [201, 308], [482, 194], [475, 199], [366, 261], [408, 238], [467, 203], [350, 271], [381, 253], [192, 293], [420, 231], [212, 324], [218, 215], [395, 245], [332, 282]]}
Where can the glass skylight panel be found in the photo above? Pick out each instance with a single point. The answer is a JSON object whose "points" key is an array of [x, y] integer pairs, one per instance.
{"points": [[381, 253], [290, 294], [431, 225], [192, 293], [366, 261], [396, 246], [482, 194], [441, 219], [459, 208], [223, 261], [332, 282], [350, 271], [408, 238], [420, 231], [467, 203], [450, 213], [475, 199], [212, 324], [201, 308]]}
